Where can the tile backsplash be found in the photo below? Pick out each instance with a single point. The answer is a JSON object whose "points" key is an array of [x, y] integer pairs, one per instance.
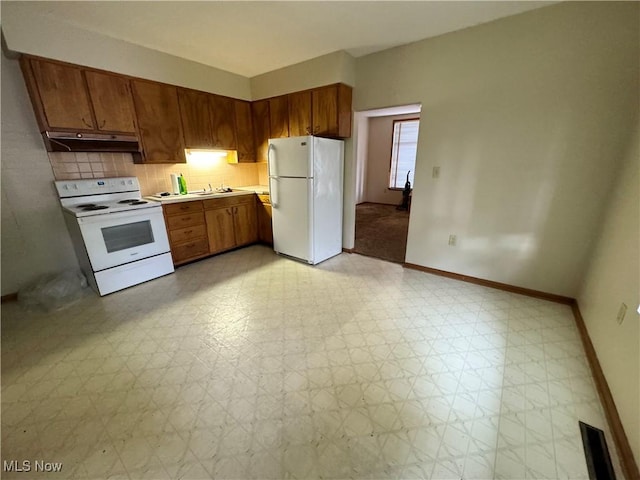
{"points": [[154, 178]]}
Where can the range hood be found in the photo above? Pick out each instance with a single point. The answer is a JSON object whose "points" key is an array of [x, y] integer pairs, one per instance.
{"points": [[90, 142]]}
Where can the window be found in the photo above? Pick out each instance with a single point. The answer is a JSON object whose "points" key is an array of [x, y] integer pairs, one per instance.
{"points": [[403, 152]]}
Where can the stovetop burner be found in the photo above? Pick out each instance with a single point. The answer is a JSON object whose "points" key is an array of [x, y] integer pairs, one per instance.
{"points": [[84, 205], [128, 200], [90, 207], [138, 202]]}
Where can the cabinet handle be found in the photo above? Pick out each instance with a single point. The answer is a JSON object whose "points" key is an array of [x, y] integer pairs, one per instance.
{"points": [[104, 122], [86, 123], [308, 129], [316, 129], [187, 232], [186, 219], [191, 245], [184, 207], [228, 211]]}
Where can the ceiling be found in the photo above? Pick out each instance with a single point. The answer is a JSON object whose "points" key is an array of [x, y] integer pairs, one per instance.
{"points": [[250, 38]]}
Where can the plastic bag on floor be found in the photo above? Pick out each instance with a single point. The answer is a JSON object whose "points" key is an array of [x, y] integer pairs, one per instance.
{"points": [[54, 291]]}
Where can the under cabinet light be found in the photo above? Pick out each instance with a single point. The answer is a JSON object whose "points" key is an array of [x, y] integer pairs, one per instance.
{"points": [[207, 158]]}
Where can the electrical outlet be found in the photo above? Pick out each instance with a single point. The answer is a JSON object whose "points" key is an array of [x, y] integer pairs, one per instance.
{"points": [[622, 311], [452, 240], [436, 172]]}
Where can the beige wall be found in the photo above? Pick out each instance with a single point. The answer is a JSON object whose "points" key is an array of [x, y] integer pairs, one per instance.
{"points": [[613, 278], [379, 158], [526, 118], [34, 236], [337, 67], [26, 31]]}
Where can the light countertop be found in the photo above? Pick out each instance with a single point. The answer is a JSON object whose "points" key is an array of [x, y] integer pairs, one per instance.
{"points": [[197, 196], [259, 189]]}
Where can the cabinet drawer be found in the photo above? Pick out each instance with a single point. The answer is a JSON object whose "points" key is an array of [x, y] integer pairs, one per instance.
{"points": [[187, 233], [183, 207], [228, 201], [175, 222], [193, 249], [264, 199]]}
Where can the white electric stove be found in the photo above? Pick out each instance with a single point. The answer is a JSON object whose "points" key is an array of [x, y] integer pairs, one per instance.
{"points": [[119, 238]]}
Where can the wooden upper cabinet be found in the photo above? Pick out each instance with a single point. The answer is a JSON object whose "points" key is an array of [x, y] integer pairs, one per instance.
{"points": [[279, 117], [223, 120], [112, 104], [331, 107], [244, 131], [300, 114], [196, 119], [59, 95], [261, 128], [159, 122]]}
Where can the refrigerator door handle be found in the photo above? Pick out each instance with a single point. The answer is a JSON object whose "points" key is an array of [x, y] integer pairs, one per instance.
{"points": [[273, 198], [271, 164]]}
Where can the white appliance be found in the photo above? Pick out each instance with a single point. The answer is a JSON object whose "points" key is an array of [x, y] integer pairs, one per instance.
{"points": [[305, 185], [120, 240]]}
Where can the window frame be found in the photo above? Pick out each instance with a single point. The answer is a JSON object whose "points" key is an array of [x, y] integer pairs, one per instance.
{"points": [[393, 128]]}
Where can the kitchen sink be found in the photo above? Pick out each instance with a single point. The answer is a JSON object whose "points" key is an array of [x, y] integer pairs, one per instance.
{"points": [[216, 192]]}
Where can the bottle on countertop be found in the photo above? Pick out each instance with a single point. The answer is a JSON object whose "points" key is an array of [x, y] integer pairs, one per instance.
{"points": [[182, 184]]}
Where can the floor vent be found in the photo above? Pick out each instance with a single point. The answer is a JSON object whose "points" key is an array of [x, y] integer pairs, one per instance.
{"points": [[596, 453]]}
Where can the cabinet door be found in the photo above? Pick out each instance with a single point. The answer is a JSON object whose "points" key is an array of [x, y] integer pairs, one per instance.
{"points": [[244, 132], [111, 100], [325, 111], [220, 229], [223, 120], [331, 109], [279, 117], [265, 229], [261, 129], [245, 223], [159, 122], [344, 110], [63, 94], [300, 114], [196, 120]]}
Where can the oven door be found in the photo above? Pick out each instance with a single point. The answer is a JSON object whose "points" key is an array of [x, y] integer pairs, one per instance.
{"points": [[118, 238]]}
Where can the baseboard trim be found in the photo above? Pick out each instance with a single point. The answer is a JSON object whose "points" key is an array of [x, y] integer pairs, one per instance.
{"points": [[11, 297], [490, 283], [627, 461], [348, 250]]}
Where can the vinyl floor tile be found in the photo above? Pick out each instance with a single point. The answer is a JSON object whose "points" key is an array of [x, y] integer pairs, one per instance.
{"points": [[249, 365]]}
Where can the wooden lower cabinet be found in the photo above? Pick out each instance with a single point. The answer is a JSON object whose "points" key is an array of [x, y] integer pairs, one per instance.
{"points": [[200, 228], [220, 229], [187, 231], [231, 222], [265, 228]]}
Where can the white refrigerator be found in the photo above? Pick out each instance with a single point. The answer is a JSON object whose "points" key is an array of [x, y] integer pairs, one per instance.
{"points": [[305, 185]]}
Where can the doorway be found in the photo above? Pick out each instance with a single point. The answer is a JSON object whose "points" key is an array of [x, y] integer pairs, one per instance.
{"points": [[381, 222]]}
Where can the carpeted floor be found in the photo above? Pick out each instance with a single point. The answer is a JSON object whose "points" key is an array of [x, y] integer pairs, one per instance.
{"points": [[381, 231]]}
